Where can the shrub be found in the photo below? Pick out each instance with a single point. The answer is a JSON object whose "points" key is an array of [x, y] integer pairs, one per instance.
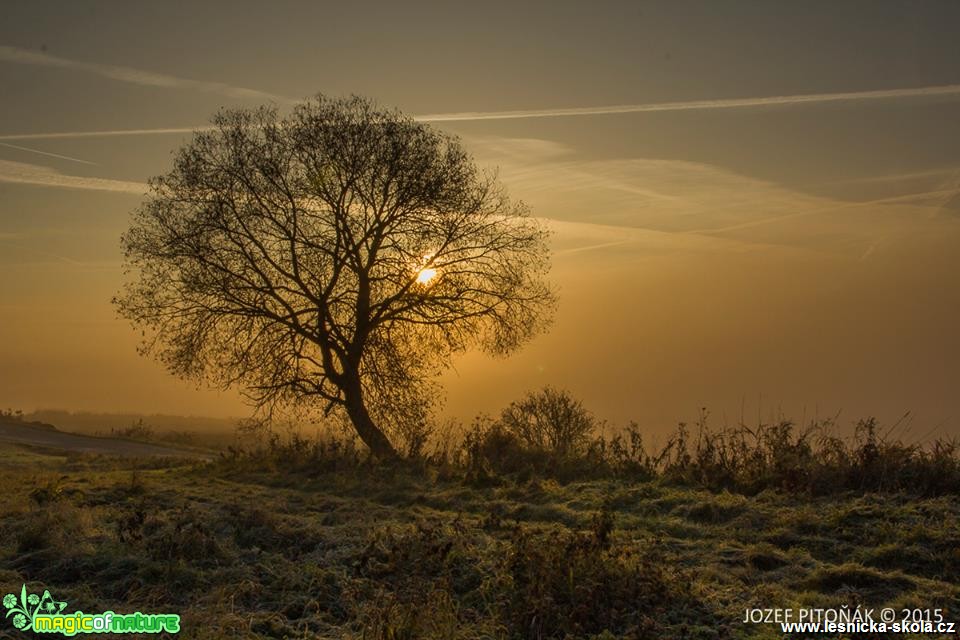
{"points": [[60, 527], [490, 448], [138, 430], [269, 450], [182, 536], [626, 455], [577, 584], [549, 420]]}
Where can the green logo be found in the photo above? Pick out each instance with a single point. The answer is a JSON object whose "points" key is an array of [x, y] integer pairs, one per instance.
{"points": [[43, 614]]}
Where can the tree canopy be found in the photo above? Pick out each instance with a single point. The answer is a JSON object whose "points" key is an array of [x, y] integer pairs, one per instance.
{"points": [[335, 258]]}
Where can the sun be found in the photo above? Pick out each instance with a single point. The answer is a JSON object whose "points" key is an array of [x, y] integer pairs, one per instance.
{"points": [[426, 275]]}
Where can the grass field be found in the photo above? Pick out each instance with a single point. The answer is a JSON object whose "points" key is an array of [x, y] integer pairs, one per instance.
{"points": [[244, 551]]}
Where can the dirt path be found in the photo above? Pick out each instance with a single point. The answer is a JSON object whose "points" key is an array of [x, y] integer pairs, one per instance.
{"points": [[39, 437]]}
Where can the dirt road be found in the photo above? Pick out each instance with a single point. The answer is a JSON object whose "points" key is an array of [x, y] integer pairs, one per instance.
{"points": [[40, 437]]}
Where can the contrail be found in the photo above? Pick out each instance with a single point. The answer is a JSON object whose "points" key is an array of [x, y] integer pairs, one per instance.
{"points": [[948, 90], [45, 153], [822, 209], [42, 252], [594, 247], [135, 76], [700, 105], [23, 173], [104, 134]]}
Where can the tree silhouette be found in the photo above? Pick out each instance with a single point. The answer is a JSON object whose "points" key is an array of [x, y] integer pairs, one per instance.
{"points": [[333, 259]]}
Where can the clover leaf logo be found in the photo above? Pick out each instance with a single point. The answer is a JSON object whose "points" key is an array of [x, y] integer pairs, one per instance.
{"points": [[28, 606]]}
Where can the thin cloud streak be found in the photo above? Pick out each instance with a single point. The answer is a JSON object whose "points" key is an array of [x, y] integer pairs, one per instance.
{"points": [[699, 105], [946, 91], [24, 173], [134, 76], [594, 247], [45, 153], [104, 134], [896, 177], [42, 252], [908, 198]]}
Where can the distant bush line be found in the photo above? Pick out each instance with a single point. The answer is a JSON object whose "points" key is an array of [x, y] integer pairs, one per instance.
{"points": [[549, 434]]}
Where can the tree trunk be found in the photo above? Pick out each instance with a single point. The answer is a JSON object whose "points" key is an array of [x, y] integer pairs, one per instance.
{"points": [[367, 429]]}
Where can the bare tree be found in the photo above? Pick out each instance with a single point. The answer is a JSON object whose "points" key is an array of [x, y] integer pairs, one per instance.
{"points": [[335, 258]]}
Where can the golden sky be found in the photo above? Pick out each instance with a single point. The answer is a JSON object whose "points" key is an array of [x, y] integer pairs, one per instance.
{"points": [[755, 205]]}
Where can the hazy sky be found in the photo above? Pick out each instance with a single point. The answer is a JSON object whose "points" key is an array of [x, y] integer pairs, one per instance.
{"points": [[755, 203]]}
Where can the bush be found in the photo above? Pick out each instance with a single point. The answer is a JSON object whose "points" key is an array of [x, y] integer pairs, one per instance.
{"points": [[138, 430], [578, 584], [60, 527], [491, 448], [270, 450], [551, 421]]}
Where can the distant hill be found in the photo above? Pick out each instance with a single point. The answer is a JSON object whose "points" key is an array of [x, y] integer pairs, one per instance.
{"points": [[24, 421], [103, 423]]}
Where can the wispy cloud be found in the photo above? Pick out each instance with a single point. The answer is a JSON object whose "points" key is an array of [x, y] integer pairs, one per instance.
{"points": [[942, 91], [8, 240], [45, 153], [699, 105], [630, 199], [103, 134], [134, 76], [25, 173], [897, 177]]}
